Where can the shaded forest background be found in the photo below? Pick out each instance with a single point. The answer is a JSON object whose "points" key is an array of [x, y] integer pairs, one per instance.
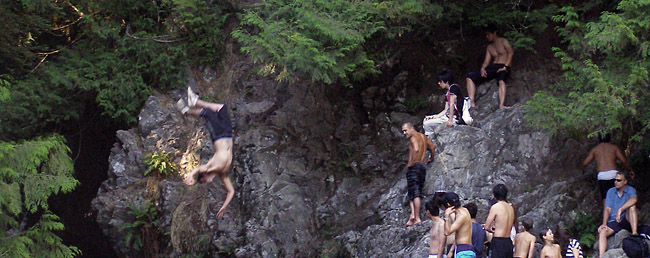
{"points": [[73, 72]]}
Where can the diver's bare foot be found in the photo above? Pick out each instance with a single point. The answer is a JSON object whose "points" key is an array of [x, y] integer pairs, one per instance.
{"points": [[412, 222], [504, 107]]}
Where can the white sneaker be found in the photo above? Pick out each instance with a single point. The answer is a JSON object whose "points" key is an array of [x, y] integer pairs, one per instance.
{"points": [[181, 106], [191, 97]]}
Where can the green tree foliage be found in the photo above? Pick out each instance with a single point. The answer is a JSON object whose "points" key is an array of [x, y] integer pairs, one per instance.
{"points": [[115, 53], [605, 64], [142, 234], [324, 39], [31, 172]]}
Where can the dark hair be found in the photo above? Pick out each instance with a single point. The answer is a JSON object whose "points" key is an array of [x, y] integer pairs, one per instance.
{"points": [[445, 76], [408, 124], [439, 199], [491, 28], [500, 192], [622, 173], [562, 237], [542, 233], [432, 207], [452, 200], [471, 207], [606, 138], [527, 223]]}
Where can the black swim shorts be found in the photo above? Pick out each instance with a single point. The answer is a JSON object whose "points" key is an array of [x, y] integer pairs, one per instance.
{"points": [[617, 226], [501, 247], [491, 71], [415, 176], [604, 186], [218, 123]]}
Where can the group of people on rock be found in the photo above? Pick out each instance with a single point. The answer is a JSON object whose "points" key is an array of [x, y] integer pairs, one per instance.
{"points": [[459, 227], [498, 56]]}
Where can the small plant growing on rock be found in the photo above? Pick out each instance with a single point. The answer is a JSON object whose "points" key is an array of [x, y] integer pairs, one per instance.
{"points": [[161, 164], [583, 229], [142, 234]]}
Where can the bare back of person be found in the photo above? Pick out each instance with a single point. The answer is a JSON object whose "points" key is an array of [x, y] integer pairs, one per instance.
{"points": [[504, 217], [605, 156], [524, 241], [437, 237], [420, 140], [497, 50], [464, 232]]}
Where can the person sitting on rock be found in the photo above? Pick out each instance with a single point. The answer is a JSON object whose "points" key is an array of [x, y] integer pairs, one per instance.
{"points": [[499, 222], [605, 154], [619, 211], [416, 170], [550, 250], [461, 227], [452, 114], [437, 232], [500, 52], [219, 126], [525, 241]]}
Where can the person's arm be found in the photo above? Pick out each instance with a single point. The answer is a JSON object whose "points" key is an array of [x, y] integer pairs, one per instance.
{"points": [[452, 110], [431, 147], [414, 145], [629, 203], [509, 50], [442, 113], [451, 252], [486, 62], [588, 159], [230, 193], [450, 229], [621, 157], [490, 220], [606, 212]]}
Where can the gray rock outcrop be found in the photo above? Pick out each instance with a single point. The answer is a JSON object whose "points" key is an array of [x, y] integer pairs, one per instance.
{"points": [[316, 174]]}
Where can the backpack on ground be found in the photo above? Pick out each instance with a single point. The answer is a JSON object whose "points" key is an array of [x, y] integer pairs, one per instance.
{"points": [[636, 246], [467, 117]]}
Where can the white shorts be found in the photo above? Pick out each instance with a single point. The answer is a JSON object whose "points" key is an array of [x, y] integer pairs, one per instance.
{"points": [[429, 125], [607, 175]]}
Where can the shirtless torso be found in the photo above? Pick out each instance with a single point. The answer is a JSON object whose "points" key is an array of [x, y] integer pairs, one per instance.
{"points": [[605, 155], [500, 219], [437, 237], [497, 50], [524, 245], [461, 227], [551, 251], [418, 148]]}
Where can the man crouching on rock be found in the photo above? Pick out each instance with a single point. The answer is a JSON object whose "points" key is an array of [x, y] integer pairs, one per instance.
{"points": [[218, 123], [416, 171]]}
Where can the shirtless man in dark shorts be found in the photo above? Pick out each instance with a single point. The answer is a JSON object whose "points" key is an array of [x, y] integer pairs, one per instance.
{"points": [[462, 226], [499, 222], [500, 52], [218, 123], [605, 155], [416, 171]]}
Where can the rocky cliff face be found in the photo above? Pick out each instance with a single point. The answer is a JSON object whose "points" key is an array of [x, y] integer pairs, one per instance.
{"points": [[315, 174]]}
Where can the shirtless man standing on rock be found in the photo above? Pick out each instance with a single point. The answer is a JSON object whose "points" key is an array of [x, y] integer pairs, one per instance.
{"points": [[218, 123], [500, 52], [605, 155], [462, 226], [416, 171], [499, 222]]}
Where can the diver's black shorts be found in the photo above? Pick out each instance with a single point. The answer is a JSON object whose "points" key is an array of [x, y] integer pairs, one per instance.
{"points": [[491, 71], [415, 176], [218, 123]]}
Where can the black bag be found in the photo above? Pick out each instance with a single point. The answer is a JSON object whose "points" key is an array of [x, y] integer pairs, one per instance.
{"points": [[636, 247]]}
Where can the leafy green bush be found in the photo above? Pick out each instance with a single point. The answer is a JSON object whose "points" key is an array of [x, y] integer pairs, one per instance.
{"points": [[161, 164], [414, 104]]}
